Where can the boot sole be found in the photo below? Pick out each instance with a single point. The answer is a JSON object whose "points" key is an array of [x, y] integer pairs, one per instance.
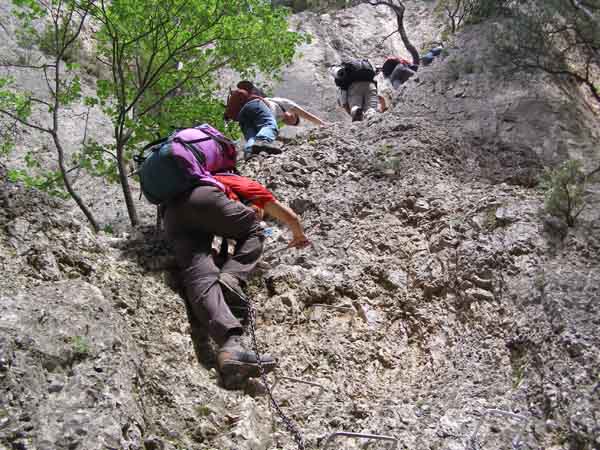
{"points": [[235, 373]]}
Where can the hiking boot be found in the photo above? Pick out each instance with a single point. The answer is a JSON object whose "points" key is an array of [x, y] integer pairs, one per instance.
{"points": [[234, 295], [369, 113], [236, 364], [356, 114], [262, 145]]}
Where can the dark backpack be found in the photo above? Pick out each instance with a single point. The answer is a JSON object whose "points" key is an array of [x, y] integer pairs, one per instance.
{"points": [[389, 65], [187, 158], [353, 70]]}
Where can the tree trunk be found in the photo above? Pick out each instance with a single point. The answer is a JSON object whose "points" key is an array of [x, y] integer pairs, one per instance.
{"points": [[69, 187], [411, 48], [56, 139], [131, 209], [399, 8]]}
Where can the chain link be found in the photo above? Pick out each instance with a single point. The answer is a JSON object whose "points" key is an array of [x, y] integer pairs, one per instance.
{"points": [[289, 423]]}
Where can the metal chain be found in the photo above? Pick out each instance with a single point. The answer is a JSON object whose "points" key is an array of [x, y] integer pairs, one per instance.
{"points": [[289, 423]]}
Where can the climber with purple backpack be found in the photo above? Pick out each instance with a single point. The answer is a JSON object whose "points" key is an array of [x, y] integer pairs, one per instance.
{"points": [[177, 174]]}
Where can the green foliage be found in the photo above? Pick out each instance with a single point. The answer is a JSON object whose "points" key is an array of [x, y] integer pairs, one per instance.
{"points": [[49, 44], [203, 410], [70, 90], [17, 103], [62, 21], [165, 58], [50, 182], [98, 160], [27, 12], [461, 12], [564, 188], [47, 181], [519, 369], [554, 36], [454, 68], [58, 38], [80, 346], [469, 66], [490, 222], [484, 9], [7, 143], [161, 62]]}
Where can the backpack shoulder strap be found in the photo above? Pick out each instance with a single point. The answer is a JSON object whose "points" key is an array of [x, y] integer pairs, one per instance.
{"points": [[205, 128], [189, 147]]}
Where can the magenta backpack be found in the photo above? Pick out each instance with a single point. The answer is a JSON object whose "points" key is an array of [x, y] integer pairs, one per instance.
{"points": [[184, 160]]}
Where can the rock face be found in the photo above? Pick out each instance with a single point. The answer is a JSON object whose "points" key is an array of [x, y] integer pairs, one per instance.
{"points": [[460, 277], [69, 371], [437, 303]]}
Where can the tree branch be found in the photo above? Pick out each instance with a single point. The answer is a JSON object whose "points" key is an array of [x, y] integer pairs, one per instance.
{"points": [[593, 172], [387, 37], [399, 9], [189, 76], [24, 122], [38, 100]]}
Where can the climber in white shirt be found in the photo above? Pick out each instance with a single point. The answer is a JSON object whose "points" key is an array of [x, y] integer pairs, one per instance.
{"points": [[289, 112]]}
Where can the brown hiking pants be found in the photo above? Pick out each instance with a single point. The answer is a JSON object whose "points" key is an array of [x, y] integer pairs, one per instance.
{"points": [[191, 224]]}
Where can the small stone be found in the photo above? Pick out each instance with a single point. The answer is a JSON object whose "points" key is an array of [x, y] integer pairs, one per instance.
{"points": [[551, 425], [18, 445], [506, 215], [482, 282], [480, 294], [55, 387], [288, 300], [362, 312], [421, 205], [398, 278]]}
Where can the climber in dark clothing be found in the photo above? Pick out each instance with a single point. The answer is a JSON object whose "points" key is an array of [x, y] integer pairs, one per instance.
{"points": [[191, 222], [398, 71], [212, 290]]}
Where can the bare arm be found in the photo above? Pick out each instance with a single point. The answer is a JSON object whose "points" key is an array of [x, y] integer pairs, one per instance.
{"points": [[308, 116], [291, 220]]}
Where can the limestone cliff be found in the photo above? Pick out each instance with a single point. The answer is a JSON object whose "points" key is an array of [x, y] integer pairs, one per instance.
{"points": [[436, 299]]}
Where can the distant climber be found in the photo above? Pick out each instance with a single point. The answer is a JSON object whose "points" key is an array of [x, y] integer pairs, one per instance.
{"points": [[431, 54], [398, 71], [290, 113], [357, 89], [257, 122], [284, 109]]}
